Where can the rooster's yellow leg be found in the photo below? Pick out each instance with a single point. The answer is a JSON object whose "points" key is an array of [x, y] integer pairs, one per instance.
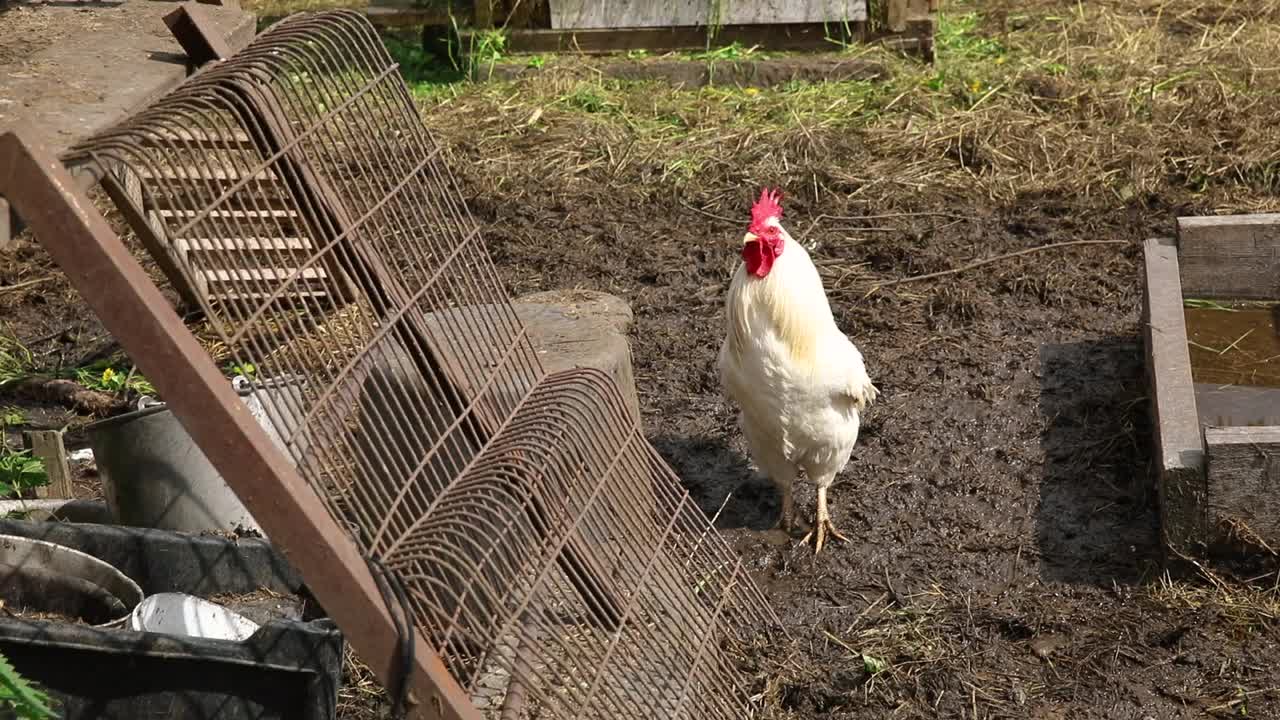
{"points": [[788, 507], [822, 525]]}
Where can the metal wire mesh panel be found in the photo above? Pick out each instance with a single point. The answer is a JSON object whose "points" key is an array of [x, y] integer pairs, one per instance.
{"points": [[549, 553]]}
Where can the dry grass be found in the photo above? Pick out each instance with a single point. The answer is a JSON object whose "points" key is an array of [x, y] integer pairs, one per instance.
{"points": [[1113, 103]]}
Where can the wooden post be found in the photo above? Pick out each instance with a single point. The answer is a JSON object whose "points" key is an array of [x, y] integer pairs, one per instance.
{"points": [[483, 14], [47, 445], [6, 228], [1179, 456]]}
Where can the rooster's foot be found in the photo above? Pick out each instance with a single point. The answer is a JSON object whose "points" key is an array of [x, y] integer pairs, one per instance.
{"points": [[821, 529], [823, 526]]}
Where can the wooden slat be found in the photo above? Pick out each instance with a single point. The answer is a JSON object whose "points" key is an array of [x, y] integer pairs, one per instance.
{"points": [[203, 175], [602, 14], [273, 197], [386, 14], [48, 446], [261, 274], [251, 244], [1179, 456], [279, 214], [1244, 485], [290, 296], [235, 140], [6, 228], [1230, 257], [797, 36]]}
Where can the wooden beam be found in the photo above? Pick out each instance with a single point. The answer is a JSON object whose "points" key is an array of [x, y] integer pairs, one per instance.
{"points": [[1179, 447], [1230, 256], [802, 36], [6, 227], [47, 445], [604, 14], [1244, 486], [483, 14]]}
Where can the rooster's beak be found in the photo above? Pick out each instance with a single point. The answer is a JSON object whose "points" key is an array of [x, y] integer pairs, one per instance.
{"points": [[749, 238]]}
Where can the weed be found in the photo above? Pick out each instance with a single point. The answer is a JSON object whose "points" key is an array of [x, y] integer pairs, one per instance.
{"points": [[426, 74], [24, 699], [732, 51], [589, 98], [12, 416], [247, 370], [19, 472], [536, 62], [958, 38], [16, 360], [106, 377]]}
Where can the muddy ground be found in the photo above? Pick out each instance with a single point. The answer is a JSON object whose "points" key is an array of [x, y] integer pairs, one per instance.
{"points": [[1004, 558]]}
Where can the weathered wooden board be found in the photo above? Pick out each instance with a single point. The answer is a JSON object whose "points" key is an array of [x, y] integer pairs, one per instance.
{"points": [[795, 36], [1230, 256], [601, 14], [1178, 443], [48, 446], [6, 227], [1244, 485]]}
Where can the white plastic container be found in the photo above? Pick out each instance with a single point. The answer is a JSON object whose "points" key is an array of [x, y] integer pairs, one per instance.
{"points": [[190, 616], [53, 578]]}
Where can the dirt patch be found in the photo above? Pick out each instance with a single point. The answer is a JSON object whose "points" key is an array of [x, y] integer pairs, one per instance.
{"points": [[1004, 558]]}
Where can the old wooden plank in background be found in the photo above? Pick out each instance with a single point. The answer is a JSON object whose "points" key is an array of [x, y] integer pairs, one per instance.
{"points": [[6, 226], [1244, 484], [603, 14], [1230, 256], [48, 446], [1179, 445], [797, 36]]}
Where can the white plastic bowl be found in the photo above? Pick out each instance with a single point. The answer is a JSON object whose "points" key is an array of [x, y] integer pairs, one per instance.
{"points": [[182, 614]]}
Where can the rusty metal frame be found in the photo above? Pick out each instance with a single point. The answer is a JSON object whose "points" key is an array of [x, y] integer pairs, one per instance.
{"points": [[132, 309], [536, 534]]}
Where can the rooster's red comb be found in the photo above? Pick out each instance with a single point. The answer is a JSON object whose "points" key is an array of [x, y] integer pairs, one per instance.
{"points": [[769, 205]]}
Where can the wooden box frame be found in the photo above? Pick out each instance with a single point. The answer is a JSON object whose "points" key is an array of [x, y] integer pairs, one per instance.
{"points": [[1219, 487]]}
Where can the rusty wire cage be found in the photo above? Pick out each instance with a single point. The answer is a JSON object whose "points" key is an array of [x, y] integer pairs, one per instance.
{"points": [[551, 558]]}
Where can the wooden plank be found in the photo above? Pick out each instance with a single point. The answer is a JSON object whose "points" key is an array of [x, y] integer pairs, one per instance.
{"points": [[483, 13], [48, 446], [278, 214], [1230, 256], [1238, 405], [393, 16], [263, 275], [237, 140], [769, 72], [251, 244], [1179, 447], [124, 187], [799, 36], [604, 14], [1244, 486], [204, 174], [6, 228]]}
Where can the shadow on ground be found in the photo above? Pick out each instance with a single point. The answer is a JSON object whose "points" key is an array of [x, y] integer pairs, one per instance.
{"points": [[1097, 521], [722, 472]]}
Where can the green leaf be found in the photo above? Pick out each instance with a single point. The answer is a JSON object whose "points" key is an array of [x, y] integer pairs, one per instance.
{"points": [[874, 665], [29, 702]]}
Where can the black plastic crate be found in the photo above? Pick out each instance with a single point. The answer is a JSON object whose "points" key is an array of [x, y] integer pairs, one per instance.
{"points": [[289, 669]]}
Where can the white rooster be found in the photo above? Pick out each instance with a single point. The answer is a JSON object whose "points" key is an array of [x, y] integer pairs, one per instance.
{"points": [[798, 381]]}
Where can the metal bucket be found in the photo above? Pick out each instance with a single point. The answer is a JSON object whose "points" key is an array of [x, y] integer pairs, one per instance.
{"points": [[47, 578], [154, 474]]}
